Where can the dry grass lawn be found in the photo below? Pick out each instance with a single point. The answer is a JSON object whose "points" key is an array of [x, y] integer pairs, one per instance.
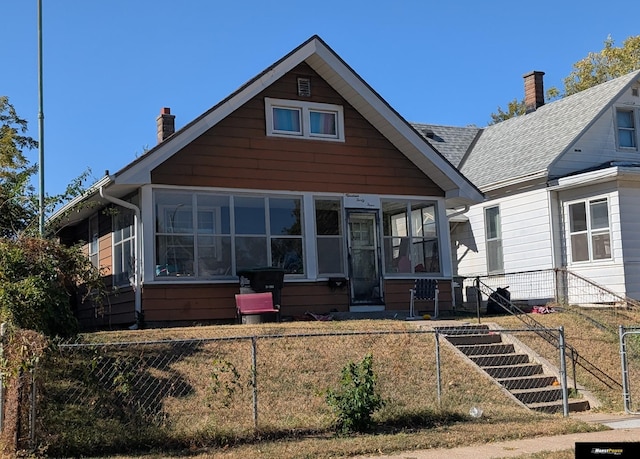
{"points": [[412, 421]]}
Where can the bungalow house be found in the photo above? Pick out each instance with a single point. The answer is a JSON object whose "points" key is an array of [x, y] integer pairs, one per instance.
{"points": [[305, 168], [562, 187]]}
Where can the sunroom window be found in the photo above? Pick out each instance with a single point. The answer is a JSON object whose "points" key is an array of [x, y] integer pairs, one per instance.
{"points": [[123, 247], [310, 120], [410, 237], [208, 236], [329, 237]]}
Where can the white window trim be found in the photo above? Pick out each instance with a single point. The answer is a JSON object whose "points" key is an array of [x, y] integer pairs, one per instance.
{"points": [[589, 231], [305, 108], [636, 119], [493, 239]]}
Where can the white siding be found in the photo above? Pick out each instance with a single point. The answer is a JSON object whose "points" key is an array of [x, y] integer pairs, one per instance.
{"points": [[629, 200], [598, 144]]}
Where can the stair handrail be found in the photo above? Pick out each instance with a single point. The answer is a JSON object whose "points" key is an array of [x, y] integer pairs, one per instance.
{"points": [[546, 335]]}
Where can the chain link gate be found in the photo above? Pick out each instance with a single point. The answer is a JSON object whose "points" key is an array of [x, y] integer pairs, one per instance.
{"points": [[630, 357]]}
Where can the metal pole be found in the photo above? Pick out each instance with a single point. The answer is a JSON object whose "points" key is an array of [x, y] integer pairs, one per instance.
{"points": [[478, 297], [438, 375], [254, 380], [626, 397], [32, 411], [563, 374], [3, 329], [40, 122]]}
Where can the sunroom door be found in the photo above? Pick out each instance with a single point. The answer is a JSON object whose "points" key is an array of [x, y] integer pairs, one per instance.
{"points": [[364, 261]]}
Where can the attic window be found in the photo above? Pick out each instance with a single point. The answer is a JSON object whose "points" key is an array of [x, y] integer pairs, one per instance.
{"points": [[287, 118], [304, 87], [634, 92]]}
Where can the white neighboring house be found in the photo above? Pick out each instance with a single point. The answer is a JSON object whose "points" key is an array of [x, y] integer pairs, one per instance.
{"points": [[562, 186]]}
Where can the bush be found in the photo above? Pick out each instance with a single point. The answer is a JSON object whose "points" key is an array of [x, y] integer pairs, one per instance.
{"points": [[39, 280], [356, 400]]}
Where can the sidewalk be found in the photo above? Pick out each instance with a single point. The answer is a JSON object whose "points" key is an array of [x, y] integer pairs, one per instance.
{"points": [[625, 428]]}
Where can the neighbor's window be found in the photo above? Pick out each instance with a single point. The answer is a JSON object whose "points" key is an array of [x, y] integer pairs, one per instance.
{"points": [[304, 119], [589, 230], [410, 237], [329, 237], [626, 126], [493, 232]]}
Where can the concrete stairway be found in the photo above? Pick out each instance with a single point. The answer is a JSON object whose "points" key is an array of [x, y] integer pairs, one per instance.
{"points": [[519, 373]]}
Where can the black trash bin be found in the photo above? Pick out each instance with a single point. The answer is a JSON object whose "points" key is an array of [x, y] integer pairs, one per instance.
{"points": [[260, 280]]}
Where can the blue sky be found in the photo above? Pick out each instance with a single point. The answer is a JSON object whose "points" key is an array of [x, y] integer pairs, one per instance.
{"points": [[109, 66]]}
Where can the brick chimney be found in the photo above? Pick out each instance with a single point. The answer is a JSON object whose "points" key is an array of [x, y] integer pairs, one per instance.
{"points": [[533, 91], [166, 123]]}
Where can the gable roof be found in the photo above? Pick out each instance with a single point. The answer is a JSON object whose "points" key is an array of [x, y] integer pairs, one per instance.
{"points": [[458, 190], [525, 146]]}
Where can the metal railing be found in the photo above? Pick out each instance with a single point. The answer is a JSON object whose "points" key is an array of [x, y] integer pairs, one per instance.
{"points": [[630, 358], [510, 307]]}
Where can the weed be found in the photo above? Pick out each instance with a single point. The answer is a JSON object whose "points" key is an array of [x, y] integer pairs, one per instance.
{"points": [[357, 399]]}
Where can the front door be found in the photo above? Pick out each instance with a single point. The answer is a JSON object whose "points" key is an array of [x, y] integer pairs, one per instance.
{"points": [[364, 261]]}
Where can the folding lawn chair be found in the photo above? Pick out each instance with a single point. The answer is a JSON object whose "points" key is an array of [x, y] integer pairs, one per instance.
{"points": [[424, 289]]}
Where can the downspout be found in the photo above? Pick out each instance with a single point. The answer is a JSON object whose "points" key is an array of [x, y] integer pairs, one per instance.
{"points": [[137, 267]]}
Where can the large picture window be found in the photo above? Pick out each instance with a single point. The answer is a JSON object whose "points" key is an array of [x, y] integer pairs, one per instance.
{"points": [[287, 118], [208, 236], [590, 235], [410, 237], [493, 234]]}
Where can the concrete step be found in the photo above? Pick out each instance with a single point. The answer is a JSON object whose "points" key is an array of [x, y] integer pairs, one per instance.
{"points": [[527, 382], [464, 329], [498, 360], [513, 371], [574, 405], [538, 394], [487, 349], [470, 339]]}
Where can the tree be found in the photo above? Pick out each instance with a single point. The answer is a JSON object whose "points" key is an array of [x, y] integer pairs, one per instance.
{"points": [[18, 205], [39, 277], [609, 63]]}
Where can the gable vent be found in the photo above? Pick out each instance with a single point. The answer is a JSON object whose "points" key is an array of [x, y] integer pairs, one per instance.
{"points": [[304, 87]]}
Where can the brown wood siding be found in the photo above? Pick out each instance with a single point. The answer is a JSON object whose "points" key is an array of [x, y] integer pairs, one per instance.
{"points": [[397, 297], [217, 302], [117, 312], [237, 153]]}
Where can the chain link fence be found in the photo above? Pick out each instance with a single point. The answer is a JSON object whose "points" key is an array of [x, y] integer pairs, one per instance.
{"points": [[95, 397], [630, 357]]}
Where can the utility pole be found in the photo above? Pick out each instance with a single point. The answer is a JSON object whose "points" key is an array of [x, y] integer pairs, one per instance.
{"points": [[40, 121]]}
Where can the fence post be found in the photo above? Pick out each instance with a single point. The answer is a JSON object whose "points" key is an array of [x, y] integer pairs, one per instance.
{"points": [[438, 374], [254, 380], [478, 297], [626, 397], [32, 409], [563, 374], [3, 329]]}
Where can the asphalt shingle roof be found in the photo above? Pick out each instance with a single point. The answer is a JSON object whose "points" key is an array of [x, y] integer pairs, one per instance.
{"points": [[452, 142], [528, 144]]}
